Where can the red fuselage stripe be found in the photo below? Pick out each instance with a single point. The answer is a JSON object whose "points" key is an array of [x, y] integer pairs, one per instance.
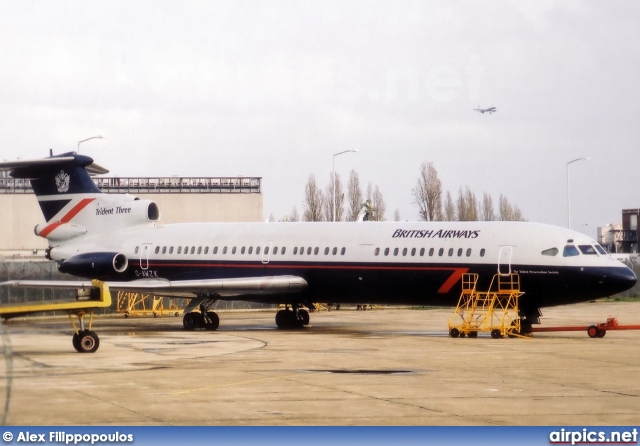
{"points": [[445, 288], [67, 217]]}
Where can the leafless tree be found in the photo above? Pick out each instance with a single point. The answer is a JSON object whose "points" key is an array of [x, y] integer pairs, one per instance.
{"points": [[396, 215], [313, 201], [487, 212], [428, 193], [294, 214], [449, 208], [355, 196], [467, 205], [339, 204], [378, 204]]}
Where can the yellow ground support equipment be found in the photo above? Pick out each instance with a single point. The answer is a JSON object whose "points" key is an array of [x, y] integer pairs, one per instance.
{"points": [[137, 304], [494, 311], [87, 300]]}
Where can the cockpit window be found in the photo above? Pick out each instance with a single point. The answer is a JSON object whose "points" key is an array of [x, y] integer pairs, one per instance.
{"points": [[601, 250], [550, 252], [587, 249], [570, 251]]}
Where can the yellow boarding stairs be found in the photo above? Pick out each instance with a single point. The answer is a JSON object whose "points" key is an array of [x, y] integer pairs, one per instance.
{"points": [[494, 311]]}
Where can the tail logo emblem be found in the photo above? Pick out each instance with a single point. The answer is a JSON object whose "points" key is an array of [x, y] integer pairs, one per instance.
{"points": [[62, 182]]}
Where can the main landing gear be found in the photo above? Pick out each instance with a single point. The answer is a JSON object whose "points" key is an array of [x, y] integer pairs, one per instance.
{"points": [[295, 317], [205, 319]]}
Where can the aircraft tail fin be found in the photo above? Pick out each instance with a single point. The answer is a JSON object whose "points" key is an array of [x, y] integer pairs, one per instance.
{"points": [[58, 180], [71, 202]]}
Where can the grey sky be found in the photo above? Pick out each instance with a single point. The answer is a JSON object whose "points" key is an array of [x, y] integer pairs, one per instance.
{"points": [[273, 89]]}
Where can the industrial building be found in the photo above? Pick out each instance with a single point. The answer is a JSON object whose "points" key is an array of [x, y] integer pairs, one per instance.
{"points": [[180, 199], [621, 238]]}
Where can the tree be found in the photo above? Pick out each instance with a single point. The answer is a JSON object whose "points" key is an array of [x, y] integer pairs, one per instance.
{"points": [[378, 204], [509, 212], [449, 208], [294, 214], [339, 203], [396, 215], [313, 201], [467, 205], [428, 193], [355, 196], [487, 211]]}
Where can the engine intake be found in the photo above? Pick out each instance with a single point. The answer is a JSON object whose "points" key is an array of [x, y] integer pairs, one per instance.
{"points": [[95, 265]]}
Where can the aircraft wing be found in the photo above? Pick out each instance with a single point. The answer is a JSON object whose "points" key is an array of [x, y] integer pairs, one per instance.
{"points": [[233, 287]]}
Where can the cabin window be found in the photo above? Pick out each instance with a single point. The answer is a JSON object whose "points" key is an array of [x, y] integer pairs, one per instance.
{"points": [[570, 251], [395, 251], [258, 250], [284, 249], [295, 250], [164, 250], [193, 249], [136, 250], [550, 252], [199, 249], [450, 252], [301, 250], [242, 250], [266, 250], [186, 250], [482, 251], [421, 252], [335, 251], [315, 251], [440, 252], [233, 250], [413, 252], [224, 250], [404, 252], [343, 250], [587, 249], [601, 250], [275, 250], [326, 251], [206, 250], [157, 249], [459, 252], [376, 252], [469, 252], [309, 251], [250, 250], [215, 250], [431, 251], [386, 251], [179, 249], [170, 249]]}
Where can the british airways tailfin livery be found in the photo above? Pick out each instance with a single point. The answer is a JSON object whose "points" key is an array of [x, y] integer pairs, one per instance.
{"points": [[117, 238]]}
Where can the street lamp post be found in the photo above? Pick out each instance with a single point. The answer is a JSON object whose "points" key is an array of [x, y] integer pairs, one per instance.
{"points": [[568, 196], [334, 178], [93, 137]]}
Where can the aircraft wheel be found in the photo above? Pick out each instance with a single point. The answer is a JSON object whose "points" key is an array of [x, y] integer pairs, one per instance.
{"points": [[212, 321], [495, 334], [303, 316], [462, 334], [473, 334], [86, 341], [601, 333], [454, 332], [189, 322], [592, 331]]}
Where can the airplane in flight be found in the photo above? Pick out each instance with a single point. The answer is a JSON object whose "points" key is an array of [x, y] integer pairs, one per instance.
{"points": [[118, 239], [486, 110]]}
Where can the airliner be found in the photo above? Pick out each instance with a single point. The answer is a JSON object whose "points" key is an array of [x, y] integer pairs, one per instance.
{"points": [[118, 239], [486, 110]]}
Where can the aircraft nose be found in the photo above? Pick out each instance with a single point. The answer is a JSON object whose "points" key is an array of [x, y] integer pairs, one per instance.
{"points": [[624, 278]]}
